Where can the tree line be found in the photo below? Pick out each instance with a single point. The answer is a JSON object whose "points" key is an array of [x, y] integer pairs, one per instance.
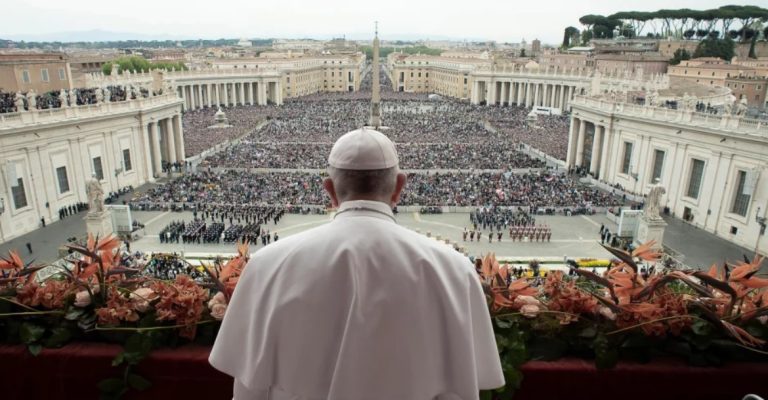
{"points": [[140, 64], [681, 24]]}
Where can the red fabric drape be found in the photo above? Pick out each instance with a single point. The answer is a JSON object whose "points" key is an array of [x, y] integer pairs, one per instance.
{"points": [[184, 373]]}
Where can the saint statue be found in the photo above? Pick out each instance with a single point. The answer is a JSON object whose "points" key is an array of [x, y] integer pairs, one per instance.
{"points": [[95, 195], [32, 99], [728, 104], [654, 201], [741, 108], [99, 95], [72, 98], [18, 101], [63, 98], [107, 95]]}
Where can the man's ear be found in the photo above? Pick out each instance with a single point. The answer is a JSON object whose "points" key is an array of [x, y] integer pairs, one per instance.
{"points": [[328, 186], [399, 185]]}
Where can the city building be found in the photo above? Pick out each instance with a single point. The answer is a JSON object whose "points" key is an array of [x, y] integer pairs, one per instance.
{"points": [[48, 157], [744, 80], [41, 72], [712, 166]]}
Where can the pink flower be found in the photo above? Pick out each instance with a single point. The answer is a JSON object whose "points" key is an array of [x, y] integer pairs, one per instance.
{"points": [[82, 298], [607, 313], [218, 310], [141, 298], [524, 300], [530, 310]]}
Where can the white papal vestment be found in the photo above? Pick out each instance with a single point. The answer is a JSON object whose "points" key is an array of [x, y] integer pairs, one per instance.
{"points": [[358, 309]]}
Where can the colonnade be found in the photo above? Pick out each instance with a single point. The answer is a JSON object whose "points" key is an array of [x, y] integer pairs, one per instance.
{"points": [[163, 141], [215, 94], [528, 94], [588, 146]]}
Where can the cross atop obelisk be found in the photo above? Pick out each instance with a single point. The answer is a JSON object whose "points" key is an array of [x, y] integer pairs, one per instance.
{"points": [[375, 119]]}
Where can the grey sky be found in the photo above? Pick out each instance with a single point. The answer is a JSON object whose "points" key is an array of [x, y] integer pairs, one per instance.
{"points": [[501, 20]]}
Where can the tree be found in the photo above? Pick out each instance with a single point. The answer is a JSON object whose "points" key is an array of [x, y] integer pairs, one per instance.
{"points": [[568, 34], [714, 47], [680, 55], [689, 34], [139, 64]]}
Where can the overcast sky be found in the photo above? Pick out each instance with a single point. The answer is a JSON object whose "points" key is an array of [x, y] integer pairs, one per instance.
{"points": [[500, 20]]}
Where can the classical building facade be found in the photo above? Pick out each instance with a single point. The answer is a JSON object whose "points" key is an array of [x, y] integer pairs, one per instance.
{"points": [[41, 72], [713, 166], [47, 156], [252, 81]]}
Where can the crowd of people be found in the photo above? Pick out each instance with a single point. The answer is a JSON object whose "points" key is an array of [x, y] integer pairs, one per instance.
{"points": [[233, 188], [201, 132], [73, 209]]}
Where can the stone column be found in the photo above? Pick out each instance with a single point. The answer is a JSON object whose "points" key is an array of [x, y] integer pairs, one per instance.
{"points": [[475, 90], [170, 140], [146, 143], [156, 154], [580, 143], [603, 171], [250, 90], [594, 162], [226, 95], [570, 159], [562, 97], [242, 93], [199, 96], [210, 95], [505, 93], [262, 93], [217, 87], [520, 90], [178, 132]]}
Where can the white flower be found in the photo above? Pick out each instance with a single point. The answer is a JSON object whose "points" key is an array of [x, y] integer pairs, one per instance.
{"points": [[82, 299], [526, 301], [607, 313], [529, 310]]}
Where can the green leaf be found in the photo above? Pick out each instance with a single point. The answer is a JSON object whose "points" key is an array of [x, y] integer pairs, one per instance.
{"points": [[74, 314], [59, 337], [503, 323], [118, 359], [35, 349], [588, 332], [547, 348], [701, 327], [486, 395], [112, 386], [606, 354], [30, 333], [137, 382]]}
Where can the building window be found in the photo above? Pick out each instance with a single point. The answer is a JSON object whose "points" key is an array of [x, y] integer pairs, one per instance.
{"points": [[740, 199], [25, 76], [19, 196], [97, 169], [62, 74], [658, 165], [44, 74], [627, 157], [61, 175], [694, 180], [127, 160]]}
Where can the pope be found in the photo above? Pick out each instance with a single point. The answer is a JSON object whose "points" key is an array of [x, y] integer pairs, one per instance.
{"points": [[359, 308]]}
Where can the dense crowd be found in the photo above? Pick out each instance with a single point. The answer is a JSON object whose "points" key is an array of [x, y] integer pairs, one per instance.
{"points": [[200, 132], [412, 156], [233, 188]]}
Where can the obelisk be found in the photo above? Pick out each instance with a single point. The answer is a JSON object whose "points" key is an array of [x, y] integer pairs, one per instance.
{"points": [[375, 119]]}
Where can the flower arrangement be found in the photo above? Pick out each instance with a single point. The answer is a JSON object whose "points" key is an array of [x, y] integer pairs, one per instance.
{"points": [[102, 297], [706, 317]]}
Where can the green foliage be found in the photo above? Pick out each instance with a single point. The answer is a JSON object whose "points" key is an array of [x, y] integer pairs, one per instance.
{"points": [[714, 47], [385, 51], [139, 64], [568, 35], [136, 348], [680, 55]]}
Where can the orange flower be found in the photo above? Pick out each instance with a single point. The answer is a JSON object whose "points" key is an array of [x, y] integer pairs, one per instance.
{"points": [[181, 302]]}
